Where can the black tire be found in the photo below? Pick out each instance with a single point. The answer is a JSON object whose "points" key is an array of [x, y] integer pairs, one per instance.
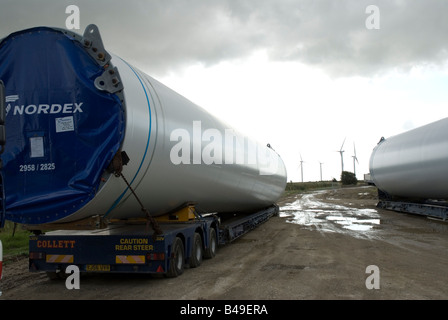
{"points": [[176, 267], [197, 252], [210, 252]]}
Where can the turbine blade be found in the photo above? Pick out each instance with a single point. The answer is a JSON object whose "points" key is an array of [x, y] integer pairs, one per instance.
{"points": [[343, 143]]}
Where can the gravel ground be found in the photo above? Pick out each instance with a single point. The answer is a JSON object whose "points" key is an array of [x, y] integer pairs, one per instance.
{"points": [[323, 245]]}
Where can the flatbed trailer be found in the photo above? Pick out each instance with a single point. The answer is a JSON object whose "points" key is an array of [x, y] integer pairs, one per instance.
{"points": [[432, 209], [129, 247]]}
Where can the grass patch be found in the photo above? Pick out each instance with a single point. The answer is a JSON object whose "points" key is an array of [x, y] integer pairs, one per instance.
{"points": [[15, 242], [300, 187]]}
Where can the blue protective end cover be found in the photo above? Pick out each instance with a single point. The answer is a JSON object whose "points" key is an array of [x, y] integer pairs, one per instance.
{"points": [[61, 131]]}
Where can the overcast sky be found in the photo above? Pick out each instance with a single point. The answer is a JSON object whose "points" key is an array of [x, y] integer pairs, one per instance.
{"points": [[300, 75]]}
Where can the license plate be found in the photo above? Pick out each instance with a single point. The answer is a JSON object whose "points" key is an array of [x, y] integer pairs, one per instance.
{"points": [[98, 267]]}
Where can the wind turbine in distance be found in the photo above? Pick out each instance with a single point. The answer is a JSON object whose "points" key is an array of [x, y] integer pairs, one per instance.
{"points": [[301, 166], [321, 163], [354, 159], [342, 157]]}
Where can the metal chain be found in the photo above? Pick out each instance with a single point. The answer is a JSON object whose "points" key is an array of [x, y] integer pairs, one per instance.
{"points": [[155, 226]]}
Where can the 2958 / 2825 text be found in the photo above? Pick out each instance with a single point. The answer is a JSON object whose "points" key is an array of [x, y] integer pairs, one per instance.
{"points": [[37, 167]]}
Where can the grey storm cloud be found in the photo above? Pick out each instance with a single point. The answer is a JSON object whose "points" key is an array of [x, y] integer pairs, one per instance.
{"points": [[164, 36]]}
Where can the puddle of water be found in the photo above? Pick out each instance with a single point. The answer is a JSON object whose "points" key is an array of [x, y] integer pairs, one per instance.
{"points": [[326, 217]]}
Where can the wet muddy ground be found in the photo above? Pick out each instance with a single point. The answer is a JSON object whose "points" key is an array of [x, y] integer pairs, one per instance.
{"points": [[331, 244], [322, 211]]}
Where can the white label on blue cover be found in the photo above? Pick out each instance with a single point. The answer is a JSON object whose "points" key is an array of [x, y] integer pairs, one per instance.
{"points": [[65, 124], [37, 147]]}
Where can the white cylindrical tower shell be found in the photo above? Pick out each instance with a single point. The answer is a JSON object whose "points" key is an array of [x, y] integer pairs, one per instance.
{"points": [[413, 164], [178, 151], [153, 113]]}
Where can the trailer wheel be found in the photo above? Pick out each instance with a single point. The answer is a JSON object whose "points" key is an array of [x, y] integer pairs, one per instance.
{"points": [[177, 260], [210, 252], [196, 254]]}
